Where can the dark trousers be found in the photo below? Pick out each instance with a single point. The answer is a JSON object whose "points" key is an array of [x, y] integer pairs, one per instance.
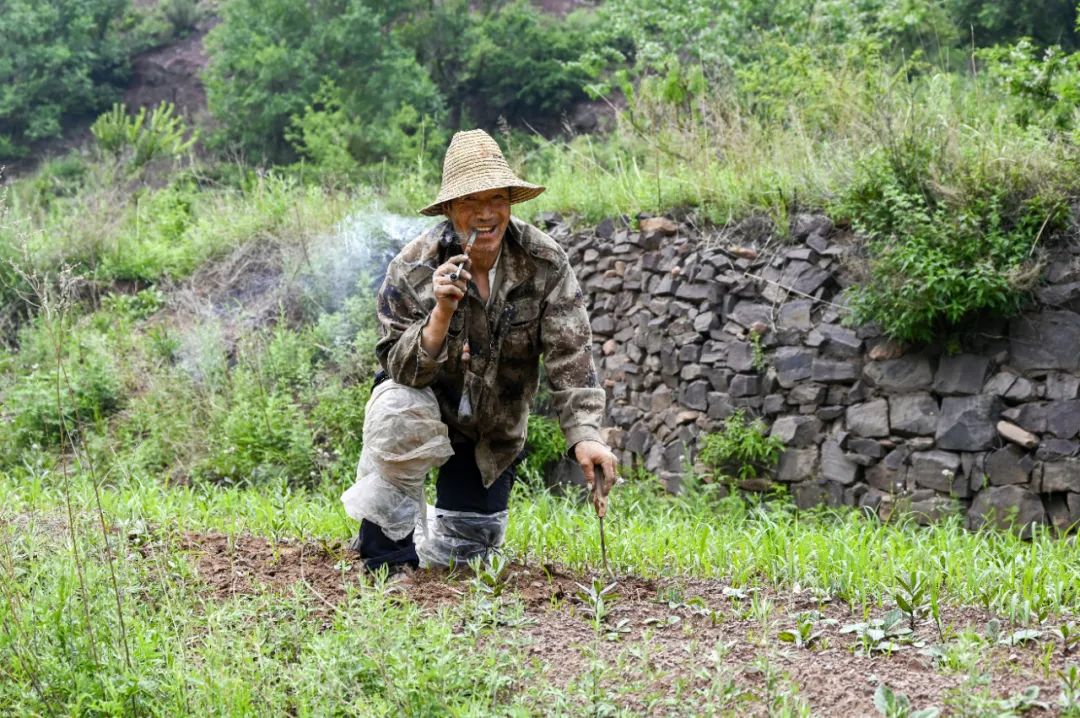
{"points": [[458, 488]]}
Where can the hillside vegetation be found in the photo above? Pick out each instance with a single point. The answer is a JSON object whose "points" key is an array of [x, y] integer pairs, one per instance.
{"points": [[187, 333]]}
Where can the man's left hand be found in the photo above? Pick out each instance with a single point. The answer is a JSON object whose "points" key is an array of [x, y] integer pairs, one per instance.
{"points": [[589, 455]]}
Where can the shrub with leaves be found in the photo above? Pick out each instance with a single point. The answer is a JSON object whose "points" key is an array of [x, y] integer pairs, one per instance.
{"points": [[742, 448], [58, 59], [160, 133], [269, 59], [947, 239]]}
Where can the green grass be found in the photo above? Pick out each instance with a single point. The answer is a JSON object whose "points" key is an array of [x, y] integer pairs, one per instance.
{"points": [[853, 558]]}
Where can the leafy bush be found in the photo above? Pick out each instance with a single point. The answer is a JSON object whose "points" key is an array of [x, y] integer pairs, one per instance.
{"points": [[161, 134], [1046, 81], [511, 60], [946, 242], [270, 59], [89, 391], [544, 444], [742, 448], [58, 59]]}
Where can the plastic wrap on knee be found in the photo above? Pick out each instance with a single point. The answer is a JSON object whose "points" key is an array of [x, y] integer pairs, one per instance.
{"points": [[395, 510], [455, 537], [404, 437]]}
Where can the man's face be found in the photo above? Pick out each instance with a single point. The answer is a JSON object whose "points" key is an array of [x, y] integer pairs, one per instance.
{"points": [[487, 212]]}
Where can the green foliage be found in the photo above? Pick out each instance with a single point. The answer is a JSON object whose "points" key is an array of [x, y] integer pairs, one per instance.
{"points": [[277, 64], [1046, 81], [741, 448], [182, 15], [948, 241], [161, 134], [544, 445], [58, 59], [46, 399], [891, 704]]}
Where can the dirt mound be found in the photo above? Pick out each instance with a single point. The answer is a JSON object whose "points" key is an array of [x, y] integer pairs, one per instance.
{"points": [[687, 630]]}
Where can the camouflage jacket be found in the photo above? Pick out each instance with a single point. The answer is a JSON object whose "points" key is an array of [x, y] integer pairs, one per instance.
{"points": [[536, 308]]}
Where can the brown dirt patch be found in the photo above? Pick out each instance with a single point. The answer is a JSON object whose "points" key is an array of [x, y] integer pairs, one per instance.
{"points": [[678, 632]]}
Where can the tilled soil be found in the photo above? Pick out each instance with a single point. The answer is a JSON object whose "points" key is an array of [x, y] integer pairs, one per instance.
{"points": [[688, 628]]}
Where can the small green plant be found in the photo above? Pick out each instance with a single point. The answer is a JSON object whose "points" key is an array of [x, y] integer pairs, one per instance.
{"points": [[147, 136], [881, 635], [491, 577], [596, 599], [912, 597], [1069, 700], [182, 15], [803, 633], [742, 448], [761, 364], [1069, 636], [891, 704]]}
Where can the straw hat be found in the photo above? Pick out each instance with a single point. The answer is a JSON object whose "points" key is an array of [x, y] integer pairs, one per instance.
{"points": [[474, 163]]}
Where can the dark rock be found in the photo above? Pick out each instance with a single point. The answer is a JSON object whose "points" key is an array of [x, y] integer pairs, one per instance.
{"points": [[797, 431], [829, 413], [827, 371], [1007, 507], [835, 466], [1061, 475], [897, 457], [796, 315], [961, 374], [1063, 418], [1057, 512], [792, 365], [747, 313], [913, 414], [866, 447], [870, 419], [883, 478], [1054, 449], [1000, 383], [902, 376], [797, 464], [745, 385], [563, 474], [805, 224], [740, 356], [774, 404], [603, 326], [1008, 465], [933, 509], [967, 422], [806, 394], [695, 395], [720, 406], [1047, 340], [1031, 417], [840, 342], [1021, 390], [934, 469], [1062, 387]]}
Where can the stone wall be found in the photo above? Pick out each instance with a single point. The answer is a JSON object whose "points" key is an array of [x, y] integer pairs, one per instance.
{"points": [[688, 327]]}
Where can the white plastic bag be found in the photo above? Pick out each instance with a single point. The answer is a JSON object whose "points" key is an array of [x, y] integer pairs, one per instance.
{"points": [[404, 438]]}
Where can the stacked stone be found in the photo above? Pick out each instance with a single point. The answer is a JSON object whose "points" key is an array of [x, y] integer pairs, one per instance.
{"points": [[687, 329]]}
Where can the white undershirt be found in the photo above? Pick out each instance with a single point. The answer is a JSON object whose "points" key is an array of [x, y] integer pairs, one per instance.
{"points": [[491, 276]]}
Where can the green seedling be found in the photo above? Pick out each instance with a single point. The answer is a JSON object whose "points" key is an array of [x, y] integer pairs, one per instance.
{"points": [[803, 634], [912, 597], [490, 578], [1069, 700], [882, 635], [1069, 636], [596, 600], [891, 704]]}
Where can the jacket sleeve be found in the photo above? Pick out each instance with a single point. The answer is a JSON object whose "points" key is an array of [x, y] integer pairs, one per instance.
{"points": [[567, 344], [402, 318]]}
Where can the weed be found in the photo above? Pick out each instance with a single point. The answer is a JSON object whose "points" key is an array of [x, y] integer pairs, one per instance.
{"points": [[912, 597], [1069, 636], [1069, 700], [741, 448], [897, 705], [803, 634]]}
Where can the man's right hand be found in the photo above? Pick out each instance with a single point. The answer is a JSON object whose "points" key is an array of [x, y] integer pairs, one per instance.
{"points": [[447, 291]]}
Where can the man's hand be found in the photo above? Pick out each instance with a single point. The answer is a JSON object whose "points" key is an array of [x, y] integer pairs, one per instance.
{"points": [[589, 454]]}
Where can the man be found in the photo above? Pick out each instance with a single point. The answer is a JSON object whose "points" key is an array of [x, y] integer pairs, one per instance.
{"points": [[462, 332]]}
